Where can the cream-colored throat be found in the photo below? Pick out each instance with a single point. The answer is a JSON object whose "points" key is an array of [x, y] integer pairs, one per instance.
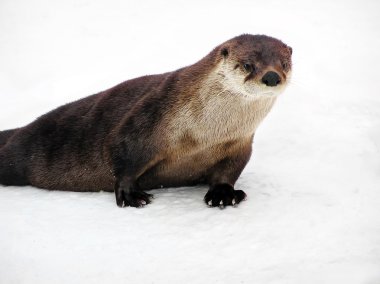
{"points": [[227, 115], [212, 117], [216, 114]]}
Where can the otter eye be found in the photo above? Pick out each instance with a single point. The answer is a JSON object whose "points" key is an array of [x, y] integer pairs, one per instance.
{"points": [[248, 67], [285, 65]]}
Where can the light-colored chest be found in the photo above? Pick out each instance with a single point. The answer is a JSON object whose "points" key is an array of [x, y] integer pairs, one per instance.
{"points": [[223, 118]]}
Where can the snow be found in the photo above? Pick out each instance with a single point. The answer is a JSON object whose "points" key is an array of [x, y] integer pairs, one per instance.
{"points": [[313, 183]]}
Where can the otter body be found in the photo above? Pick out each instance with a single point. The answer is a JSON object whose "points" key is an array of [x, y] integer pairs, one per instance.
{"points": [[191, 126]]}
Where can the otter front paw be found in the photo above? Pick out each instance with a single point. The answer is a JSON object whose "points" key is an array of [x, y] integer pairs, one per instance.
{"points": [[132, 198], [224, 194]]}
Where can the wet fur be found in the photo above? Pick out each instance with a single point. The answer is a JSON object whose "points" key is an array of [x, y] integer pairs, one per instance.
{"points": [[180, 128]]}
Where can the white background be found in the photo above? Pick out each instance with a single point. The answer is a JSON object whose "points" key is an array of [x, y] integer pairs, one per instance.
{"points": [[313, 183]]}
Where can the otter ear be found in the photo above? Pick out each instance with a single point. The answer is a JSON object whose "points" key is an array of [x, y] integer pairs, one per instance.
{"points": [[290, 50], [224, 52]]}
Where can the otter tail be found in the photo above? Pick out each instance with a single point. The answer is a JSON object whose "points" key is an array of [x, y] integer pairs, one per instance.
{"points": [[5, 135], [11, 168]]}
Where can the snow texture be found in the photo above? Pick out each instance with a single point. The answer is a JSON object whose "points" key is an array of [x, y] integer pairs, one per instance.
{"points": [[313, 183]]}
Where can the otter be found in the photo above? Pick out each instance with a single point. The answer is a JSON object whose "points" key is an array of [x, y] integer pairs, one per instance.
{"points": [[191, 126]]}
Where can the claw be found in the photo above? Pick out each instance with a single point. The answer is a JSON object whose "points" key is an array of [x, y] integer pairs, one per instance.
{"points": [[223, 195], [221, 205], [134, 198]]}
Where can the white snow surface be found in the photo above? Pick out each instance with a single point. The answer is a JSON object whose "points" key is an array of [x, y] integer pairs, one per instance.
{"points": [[313, 182]]}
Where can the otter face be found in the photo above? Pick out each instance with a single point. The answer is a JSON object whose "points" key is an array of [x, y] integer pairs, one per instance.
{"points": [[255, 66]]}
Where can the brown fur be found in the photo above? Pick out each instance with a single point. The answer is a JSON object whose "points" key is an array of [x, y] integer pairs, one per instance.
{"points": [[193, 125]]}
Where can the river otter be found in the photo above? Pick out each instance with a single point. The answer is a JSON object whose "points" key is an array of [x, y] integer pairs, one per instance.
{"points": [[191, 126]]}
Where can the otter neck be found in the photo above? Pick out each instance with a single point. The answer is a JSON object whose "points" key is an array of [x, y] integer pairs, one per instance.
{"points": [[227, 114], [214, 115]]}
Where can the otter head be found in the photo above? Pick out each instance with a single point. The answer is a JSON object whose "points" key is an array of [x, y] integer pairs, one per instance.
{"points": [[254, 66]]}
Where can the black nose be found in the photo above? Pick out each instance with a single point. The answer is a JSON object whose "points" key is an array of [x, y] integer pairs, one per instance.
{"points": [[271, 79]]}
